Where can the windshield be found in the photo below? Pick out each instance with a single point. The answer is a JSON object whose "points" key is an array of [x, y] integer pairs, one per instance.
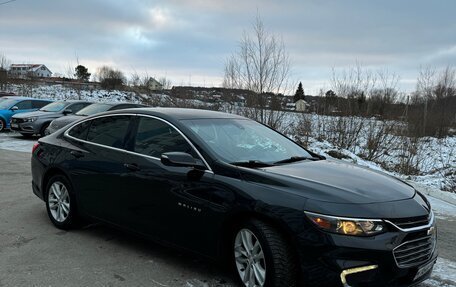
{"points": [[238, 140], [93, 109], [54, 107], [6, 104]]}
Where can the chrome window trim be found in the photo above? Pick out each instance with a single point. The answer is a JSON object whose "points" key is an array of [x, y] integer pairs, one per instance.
{"points": [[429, 225], [66, 134]]}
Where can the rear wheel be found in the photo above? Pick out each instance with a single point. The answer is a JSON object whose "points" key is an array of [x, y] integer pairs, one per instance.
{"points": [[60, 203], [2, 125], [263, 257]]}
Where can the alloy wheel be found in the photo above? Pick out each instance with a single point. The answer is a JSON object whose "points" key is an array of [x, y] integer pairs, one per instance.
{"points": [[59, 201], [250, 259]]}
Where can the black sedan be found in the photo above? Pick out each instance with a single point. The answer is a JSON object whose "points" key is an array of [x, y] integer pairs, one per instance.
{"points": [[228, 187]]}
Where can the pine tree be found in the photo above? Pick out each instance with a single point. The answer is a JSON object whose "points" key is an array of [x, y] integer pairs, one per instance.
{"points": [[82, 73], [299, 95]]}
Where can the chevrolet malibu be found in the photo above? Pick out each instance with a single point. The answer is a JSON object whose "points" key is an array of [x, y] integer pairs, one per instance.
{"points": [[228, 187]]}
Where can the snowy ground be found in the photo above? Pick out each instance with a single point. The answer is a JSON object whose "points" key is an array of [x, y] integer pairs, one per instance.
{"points": [[16, 142]]}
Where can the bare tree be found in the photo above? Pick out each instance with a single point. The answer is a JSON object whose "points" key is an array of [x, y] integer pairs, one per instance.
{"points": [[262, 65], [110, 78], [354, 84], [165, 82], [4, 65]]}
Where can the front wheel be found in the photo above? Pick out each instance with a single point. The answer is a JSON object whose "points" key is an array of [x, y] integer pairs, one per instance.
{"points": [[263, 257], [60, 203]]}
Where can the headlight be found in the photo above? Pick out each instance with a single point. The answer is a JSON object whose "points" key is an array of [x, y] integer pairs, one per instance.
{"points": [[31, 119], [347, 226]]}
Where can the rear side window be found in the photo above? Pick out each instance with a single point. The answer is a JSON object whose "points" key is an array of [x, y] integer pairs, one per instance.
{"points": [[109, 131], [155, 137], [80, 131], [39, 104], [24, 105]]}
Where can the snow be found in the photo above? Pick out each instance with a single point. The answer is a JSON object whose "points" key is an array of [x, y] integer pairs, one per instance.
{"points": [[442, 209], [60, 92], [15, 142], [443, 275]]}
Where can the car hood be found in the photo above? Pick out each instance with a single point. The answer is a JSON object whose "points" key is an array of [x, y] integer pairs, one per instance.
{"points": [[339, 182], [39, 114]]}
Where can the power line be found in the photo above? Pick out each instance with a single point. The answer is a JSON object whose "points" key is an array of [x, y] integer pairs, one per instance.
{"points": [[6, 2]]}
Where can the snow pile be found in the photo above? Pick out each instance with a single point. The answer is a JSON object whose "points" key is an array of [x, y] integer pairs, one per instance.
{"points": [[61, 92]]}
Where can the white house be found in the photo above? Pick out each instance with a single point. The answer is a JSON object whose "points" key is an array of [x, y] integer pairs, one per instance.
{"points": [[29, 70], [154, 85], [301, 105]]}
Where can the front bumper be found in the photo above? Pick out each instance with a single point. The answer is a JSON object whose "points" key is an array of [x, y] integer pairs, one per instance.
{"points": [[337, 260], [26, 128]]}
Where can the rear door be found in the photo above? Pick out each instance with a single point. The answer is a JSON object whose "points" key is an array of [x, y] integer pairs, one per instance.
{"points": [[97, 165]]}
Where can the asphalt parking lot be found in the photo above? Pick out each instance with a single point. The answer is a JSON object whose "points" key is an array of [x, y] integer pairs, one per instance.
{"points": [[34, 253]]}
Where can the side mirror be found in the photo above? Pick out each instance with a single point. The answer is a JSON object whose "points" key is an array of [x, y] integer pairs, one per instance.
{"points": [[14, 108], [67, 111], [181, 159]]}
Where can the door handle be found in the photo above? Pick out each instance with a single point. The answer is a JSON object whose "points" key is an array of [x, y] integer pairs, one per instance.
{"points": [[76, 154], [131, 166]]}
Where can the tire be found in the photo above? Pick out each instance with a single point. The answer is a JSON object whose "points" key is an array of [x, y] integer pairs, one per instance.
{"points": [[43, 129], [26, 135], [2, 125], [275, 266], [61, 203]]}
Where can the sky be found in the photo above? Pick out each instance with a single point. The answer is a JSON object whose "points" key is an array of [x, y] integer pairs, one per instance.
{"points": [[189, 41]]}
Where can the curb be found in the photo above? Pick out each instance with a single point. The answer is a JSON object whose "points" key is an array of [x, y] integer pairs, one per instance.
{"points": [[442, 195]]}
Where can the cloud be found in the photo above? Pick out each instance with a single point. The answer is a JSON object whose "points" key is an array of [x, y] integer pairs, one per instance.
{"points": [[191, 39]]}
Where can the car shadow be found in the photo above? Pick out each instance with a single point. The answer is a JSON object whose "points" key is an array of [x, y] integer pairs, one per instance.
{"points": [[197, 266]]}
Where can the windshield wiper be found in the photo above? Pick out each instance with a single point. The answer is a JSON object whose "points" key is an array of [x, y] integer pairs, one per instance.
{"points": [[295, 159], [252, 163]]}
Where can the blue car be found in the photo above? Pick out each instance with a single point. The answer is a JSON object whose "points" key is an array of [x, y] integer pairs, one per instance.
{"points": [[10, 106]]}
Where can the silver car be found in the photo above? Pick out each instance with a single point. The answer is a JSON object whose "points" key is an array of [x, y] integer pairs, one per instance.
{"points": [[88, 111], [36, 123]]}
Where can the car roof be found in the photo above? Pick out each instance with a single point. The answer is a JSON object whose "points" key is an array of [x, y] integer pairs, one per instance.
{"points": [[182, 113], [20, 98], [75, 101]]}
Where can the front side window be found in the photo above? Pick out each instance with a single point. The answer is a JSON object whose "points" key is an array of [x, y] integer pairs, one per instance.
{"points": [[76, 107], [24, 105], [109, 131], [155, 137], [93, 109]]}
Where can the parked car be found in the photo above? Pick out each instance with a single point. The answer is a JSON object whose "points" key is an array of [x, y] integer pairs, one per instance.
{"points": [[35, 123], [6, 94], [88, 111], [228, 187], [10, 106]]}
